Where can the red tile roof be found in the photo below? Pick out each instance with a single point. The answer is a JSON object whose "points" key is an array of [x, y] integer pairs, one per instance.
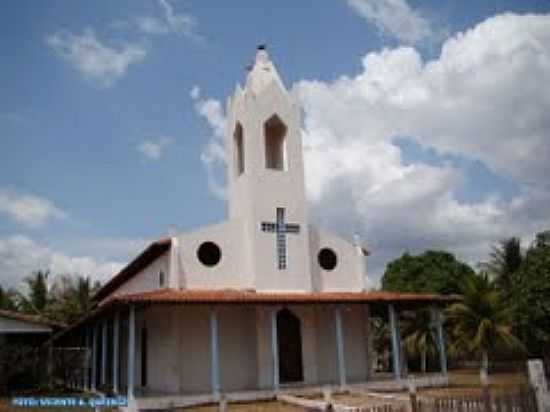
{"points": [[228, 296], [153, 251]]}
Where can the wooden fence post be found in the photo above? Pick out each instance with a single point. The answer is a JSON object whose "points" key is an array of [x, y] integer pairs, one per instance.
{"points": [[486, 395], [537, 378], [412, 394]]}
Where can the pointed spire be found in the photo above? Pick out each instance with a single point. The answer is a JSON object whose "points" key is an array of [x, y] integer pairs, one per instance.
{"points": [[263, 72]]}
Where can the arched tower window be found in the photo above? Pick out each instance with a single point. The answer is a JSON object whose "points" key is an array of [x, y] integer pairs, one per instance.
{"points": [[275, 145], [238, 149]]}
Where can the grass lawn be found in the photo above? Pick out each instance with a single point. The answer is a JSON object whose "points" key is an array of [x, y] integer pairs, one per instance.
{"points": [[467, 382]]}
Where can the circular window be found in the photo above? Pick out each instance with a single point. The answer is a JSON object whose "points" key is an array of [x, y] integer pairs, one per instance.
{"points": [[327, 258], [209, 254]]}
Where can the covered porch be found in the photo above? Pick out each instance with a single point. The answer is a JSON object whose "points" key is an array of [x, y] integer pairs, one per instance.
{"points": [[169, 348]]}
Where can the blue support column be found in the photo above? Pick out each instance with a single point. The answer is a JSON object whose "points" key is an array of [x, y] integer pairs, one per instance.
{"points": [[104, 352], [340, 346], [214, 353], [116, 338], [88, 345], [438, 318], [94, 357], [131, 351], [274, 349], [396, 341]]}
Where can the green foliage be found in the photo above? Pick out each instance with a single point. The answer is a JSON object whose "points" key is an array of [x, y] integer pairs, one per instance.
{"points": [[531, 295], [505, 261], [8, 299], [70, 297], [66, 299], [20, 366], [431, 272], [36, 298], [481, 321], [419, 335]]}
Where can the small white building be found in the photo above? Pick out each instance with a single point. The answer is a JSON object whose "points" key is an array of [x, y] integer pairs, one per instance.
{"points": [[260, 302]]}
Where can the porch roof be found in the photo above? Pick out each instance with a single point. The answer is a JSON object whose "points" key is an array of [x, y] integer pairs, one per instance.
{"points": [[234, 296]]}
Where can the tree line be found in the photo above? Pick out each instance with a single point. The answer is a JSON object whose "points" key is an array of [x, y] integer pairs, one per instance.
{"points": [[63, 298], [504, 306]]}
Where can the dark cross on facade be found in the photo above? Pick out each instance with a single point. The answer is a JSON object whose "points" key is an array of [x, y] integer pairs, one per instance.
{"points": [[281, 229]]}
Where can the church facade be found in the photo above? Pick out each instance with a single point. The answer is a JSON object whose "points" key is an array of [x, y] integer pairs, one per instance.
{"points": [[260, 302]]}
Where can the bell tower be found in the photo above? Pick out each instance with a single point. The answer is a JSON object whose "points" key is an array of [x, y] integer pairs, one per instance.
{"points": [[266, 179]]}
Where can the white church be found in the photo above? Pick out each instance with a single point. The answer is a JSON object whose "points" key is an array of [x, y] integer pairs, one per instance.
{"points": [[260, 303]]}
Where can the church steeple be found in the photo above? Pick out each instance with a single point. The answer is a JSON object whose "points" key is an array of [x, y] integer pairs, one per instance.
{"points": [[266, 175]]}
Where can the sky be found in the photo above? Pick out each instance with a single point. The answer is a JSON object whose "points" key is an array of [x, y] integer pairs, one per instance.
{"points": [[426, 124]]}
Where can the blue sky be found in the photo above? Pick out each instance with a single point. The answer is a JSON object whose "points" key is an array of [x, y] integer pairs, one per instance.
{"points": [[102, 147]]}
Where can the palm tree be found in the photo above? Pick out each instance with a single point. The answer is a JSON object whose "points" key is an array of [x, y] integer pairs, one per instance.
{"points": [[419, 335], [72, 297], [481, 320], [506, 258]]}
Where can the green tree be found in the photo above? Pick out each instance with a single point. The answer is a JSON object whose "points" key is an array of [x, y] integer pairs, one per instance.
{"points": [[433, 271], [7, 299], [505, 260], [71, 297], [419, 335], [531, 296], [481, 321], [36, 299]]}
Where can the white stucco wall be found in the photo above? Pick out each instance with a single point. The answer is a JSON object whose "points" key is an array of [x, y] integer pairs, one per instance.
{"points": [[355, 343], [306, 314], [179, 347], [325, 332], [231, 272], [162, 323], [148, 278], [347, 275], [238, 361]]}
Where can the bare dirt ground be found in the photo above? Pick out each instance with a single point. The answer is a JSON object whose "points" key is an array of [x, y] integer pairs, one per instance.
{"points": [[254, 407], [462, 383]]}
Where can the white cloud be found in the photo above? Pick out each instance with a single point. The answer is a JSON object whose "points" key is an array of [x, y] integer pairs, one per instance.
{"points": [[395, 18], [27, 209], [213, 155], [154, 149], [170, 22], [480, 99], [21, 255], [94, 59]]}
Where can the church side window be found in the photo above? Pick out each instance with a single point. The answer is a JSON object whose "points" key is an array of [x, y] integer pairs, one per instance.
{"points": [[161, 279], [239, 149], [275, 144]]}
